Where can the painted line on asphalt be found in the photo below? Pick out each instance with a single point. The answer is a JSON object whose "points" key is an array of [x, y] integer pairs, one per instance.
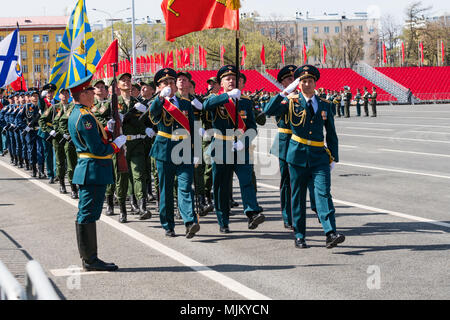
{"points": [[392, 138], [223, 280], [371, 129], [419, 153], [435, 132], [373, 209], [404, 124]]}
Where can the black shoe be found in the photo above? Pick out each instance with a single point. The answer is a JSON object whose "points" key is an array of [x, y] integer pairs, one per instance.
{"points": [[51, 180], [333, 239], [5, 152], [192, 229], [20, 162], [255, 220], [300, 243], [233, 204], [170, 233], [110, 205], [27, 165], [99, 265], [224, 230], [205, 207], [134, 205], [144, 214], [34, 171], [123, 213], [151, 197], [74, 192], [288, 226], [62, 186]]}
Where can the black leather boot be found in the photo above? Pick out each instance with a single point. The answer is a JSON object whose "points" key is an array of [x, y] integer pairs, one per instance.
{"points": [[16, 161], [150, 196], [205, 207], [27, 165], [123, 212], [34, 170], [110, 205], [144, 214], [87, 246], [134, 205], [41, 174], [20, 162], [74, 192], [62, 186]]}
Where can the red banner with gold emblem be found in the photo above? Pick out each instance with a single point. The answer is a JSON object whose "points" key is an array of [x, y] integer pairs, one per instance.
{"points": [[183, 17], [231, 109], [177, 114]]}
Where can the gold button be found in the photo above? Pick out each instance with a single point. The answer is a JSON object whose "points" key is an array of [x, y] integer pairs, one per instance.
{"points": [[312, 121], [310, 132]]}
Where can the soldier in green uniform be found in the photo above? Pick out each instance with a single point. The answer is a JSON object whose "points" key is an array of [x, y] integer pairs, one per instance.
{"points": [[347, 100], [93, 172], [358, 102], [224, 148], [373, 102], [69, 149], [172, 151], [307, 156], [366, 98], [58, 141]]}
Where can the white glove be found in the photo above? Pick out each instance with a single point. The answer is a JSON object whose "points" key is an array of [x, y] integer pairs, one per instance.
{"points": [[110, 125], [332, 165], [290, 88], [234, 94], [140, 107], [165, 92], [121, 117], [197, 104], [53, 133], [66, 136], [201, 132], [150, 132], [196, 160], [27, 129], [120, 141], [237, 146], [44, 94]]}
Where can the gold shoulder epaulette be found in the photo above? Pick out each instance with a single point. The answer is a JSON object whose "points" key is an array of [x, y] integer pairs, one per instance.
{"points": [[325, 100], [245, 97], [293, 96], [83, 111]]}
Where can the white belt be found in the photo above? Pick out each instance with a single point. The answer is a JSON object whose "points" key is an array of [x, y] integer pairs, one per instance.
{"points": [[135, 137]]}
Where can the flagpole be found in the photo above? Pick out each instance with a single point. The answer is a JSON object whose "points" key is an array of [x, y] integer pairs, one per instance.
{"points": [[133, 29], [20, 54], [238, 74]]}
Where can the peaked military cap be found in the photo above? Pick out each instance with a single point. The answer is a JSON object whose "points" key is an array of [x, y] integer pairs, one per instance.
{"points": [[285, 72], [184, 73], [49, 86], [124, 74], [243, 76], [81, 85], [164, 74], [226, 71], [212, 79], [97, 81], [307, 71]]}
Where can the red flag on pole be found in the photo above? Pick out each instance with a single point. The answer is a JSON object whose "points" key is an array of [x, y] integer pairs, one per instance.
{"points": [[222, 54], [111, 55], [263, 55], [169, 61], [200, 56], [19, 84], [384, 54], [421, 52], [403, 52], [244, 55], [193, 56], [442, 52], [205, 64], [182, 17], [187, 58], [305, 57], [324, 53], [283, 50]]}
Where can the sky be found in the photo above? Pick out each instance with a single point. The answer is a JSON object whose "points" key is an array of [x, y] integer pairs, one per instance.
{"points": [[151, 8]]}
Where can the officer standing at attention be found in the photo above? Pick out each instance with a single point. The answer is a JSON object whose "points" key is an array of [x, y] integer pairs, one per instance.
{"points": [[374, 102], [31, 114], [307, 156], [366, 97], [92, 173], [347, 100], [222, 110], [175, 120], [358, 102]]}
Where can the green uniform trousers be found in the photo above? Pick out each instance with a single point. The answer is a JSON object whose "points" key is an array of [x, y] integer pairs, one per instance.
{"points": [[90, 204]]}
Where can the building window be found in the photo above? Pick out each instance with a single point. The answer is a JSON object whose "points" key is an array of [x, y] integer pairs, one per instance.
{"points": [[349, 28], [372, 29], [37, 68], [37, 53], [326, 29], [36, 38], [46, 53], [316, 29], [23, 39], [360, 28], [272, 31], [45, 38], [1, 38], [282, 30], [291, 30], [58, 37], [144, 48], [337, 29], [262, 32], [25, 69], [46, 67], [23, 54], [305, 35]]}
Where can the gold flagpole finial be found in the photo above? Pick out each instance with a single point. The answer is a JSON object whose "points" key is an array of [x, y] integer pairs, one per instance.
{"points": [[234, 4]]}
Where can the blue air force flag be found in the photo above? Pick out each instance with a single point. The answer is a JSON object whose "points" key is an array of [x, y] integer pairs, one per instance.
{"points": [[10, 59]]}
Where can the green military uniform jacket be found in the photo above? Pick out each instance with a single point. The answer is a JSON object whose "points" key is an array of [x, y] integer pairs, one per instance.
{"points": [[87, 136], [309, 127], [46, 120]]}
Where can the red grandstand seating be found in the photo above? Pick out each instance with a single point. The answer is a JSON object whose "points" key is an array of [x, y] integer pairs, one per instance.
{"points": [[426, 83], [255, 81], [337, 78]]}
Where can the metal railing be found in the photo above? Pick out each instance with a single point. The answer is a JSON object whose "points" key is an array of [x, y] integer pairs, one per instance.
{"points": [[38, 286]]}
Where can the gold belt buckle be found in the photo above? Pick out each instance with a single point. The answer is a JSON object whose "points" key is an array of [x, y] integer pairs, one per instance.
{"points": [[308, 142]]}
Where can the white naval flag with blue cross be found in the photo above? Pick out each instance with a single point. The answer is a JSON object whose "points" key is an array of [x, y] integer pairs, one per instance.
{"points": [[10, 59]]}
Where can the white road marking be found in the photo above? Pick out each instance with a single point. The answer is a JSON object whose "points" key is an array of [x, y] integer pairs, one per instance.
{"points": [[371, 129], [414, 152], [68, 272], [223, 280], [373, 209], [393, 138], [435, 132], [405, 124]]}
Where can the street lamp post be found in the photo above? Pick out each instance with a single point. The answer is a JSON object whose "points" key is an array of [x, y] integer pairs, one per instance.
{"points": [[111, 18]]}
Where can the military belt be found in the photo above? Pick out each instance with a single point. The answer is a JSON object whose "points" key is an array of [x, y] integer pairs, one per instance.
{"points": [[135, 137], [287, 131], [308, 142], [221, 137], [93, 156], [171, 136]]}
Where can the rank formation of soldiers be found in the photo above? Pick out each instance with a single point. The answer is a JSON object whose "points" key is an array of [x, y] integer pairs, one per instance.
{"points": [[129, 144]]}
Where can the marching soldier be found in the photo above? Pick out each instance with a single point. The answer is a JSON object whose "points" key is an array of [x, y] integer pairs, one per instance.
{"points": [[307, 156], [347, 100], [19, 126], [366, 98], [92, 173], [31, 116], [358, 102], [175, 120], [374, 102], [222, 110], [337, 102]]}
